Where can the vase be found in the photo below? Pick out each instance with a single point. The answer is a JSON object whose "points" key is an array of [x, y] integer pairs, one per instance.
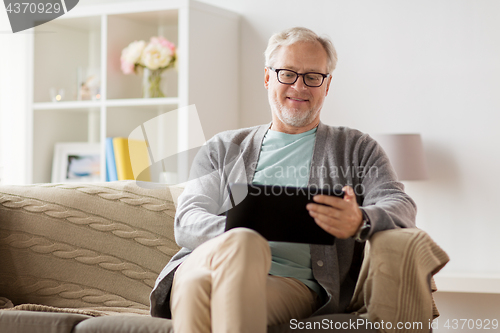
{"points": [[151, 83]]}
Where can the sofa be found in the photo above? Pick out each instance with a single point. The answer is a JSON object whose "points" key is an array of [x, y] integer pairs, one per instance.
{"points": [[84, 257]]}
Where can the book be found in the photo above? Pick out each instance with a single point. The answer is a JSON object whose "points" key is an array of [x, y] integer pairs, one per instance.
{"points": [[111, 174], [132, 159], [139, 159], [122, 159]]}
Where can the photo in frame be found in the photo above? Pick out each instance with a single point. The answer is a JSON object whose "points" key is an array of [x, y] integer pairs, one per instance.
{"points": [[76, 162]]}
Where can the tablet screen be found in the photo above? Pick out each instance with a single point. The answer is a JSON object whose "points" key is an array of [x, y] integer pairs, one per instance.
{"points": [[278, 213]]}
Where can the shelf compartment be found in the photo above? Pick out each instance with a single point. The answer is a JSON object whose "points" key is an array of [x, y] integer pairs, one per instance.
{"points": [[62, 48], [126, 28], [54, 126], [126, 120]]}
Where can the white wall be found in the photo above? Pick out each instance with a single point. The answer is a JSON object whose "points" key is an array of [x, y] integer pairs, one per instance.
{"points": [[426, 66]]}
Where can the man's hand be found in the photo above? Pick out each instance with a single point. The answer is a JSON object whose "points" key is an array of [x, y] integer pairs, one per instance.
{"points": [[341, 217]]}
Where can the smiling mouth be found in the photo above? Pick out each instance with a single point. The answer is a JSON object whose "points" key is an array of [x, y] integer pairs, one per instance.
{"points": [[297, 99]]}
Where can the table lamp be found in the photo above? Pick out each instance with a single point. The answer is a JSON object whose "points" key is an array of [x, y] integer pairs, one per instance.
{"points": [[406, 154]]}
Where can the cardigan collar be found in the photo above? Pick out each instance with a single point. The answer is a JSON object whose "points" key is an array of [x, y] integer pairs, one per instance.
{"points": [[251, 156]]}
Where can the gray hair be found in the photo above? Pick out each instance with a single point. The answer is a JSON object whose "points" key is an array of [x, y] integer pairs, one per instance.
{"points": [[299, 34]]}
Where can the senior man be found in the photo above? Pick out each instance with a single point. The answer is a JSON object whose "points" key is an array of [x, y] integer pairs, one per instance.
{"points": [[236, 281]]}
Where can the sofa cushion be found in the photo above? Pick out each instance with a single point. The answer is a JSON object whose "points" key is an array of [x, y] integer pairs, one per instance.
{"points": [[125, 324], [38, 322], [98, 245]]}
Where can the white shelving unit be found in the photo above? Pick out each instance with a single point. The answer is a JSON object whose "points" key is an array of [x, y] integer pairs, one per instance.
{"points": [[93, 37]]}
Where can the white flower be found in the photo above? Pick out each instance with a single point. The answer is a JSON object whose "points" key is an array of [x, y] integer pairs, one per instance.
{"points": [[156, 55], [159, 53], [132, 53]]}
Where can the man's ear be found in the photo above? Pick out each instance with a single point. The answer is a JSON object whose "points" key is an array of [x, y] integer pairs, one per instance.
{"points": [[266, 77], [329, 80]]}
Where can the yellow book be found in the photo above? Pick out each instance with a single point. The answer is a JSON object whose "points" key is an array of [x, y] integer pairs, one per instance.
{"points": [[132, 159], [139, 159]]}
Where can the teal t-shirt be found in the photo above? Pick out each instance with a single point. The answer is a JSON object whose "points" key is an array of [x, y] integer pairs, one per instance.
{"points": [[285, 159]]}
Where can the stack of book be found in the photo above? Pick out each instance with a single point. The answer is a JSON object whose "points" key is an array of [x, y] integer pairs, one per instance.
{"points": [[127, 159]]}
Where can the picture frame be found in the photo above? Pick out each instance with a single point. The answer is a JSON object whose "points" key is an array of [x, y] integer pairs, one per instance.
{"points": [[76, 162]]}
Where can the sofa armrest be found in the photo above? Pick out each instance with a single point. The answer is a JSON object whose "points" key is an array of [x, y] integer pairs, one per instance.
{"points": [[96, 245]]}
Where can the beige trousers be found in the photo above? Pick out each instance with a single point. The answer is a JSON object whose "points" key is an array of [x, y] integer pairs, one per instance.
{"points": [[224, 286]]}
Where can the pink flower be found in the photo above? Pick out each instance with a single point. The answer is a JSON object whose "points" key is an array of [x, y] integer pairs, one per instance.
{"points": [[127, 67], [159, 53], [163, 42]]}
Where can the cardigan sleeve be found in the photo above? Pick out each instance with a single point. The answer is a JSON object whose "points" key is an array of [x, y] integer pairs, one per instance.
{"points": [[205, 197]]}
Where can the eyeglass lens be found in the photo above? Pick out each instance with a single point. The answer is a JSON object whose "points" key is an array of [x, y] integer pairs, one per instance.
{"points": [[310, 79]]}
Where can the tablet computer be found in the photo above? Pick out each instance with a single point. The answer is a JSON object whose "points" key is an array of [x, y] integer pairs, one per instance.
{"points": [[278, 213]]}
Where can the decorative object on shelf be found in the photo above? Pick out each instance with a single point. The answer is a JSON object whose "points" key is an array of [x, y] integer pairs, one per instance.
{"points": [[406, 153], [76, 162], [153, 59], [56, 95], [89, 84], [151, 80]]}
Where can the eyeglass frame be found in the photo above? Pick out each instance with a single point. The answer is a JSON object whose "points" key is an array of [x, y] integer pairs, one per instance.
{"points": [[276, 70]]}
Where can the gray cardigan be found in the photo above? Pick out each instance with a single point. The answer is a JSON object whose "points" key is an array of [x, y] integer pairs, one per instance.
{"points": [[342, 156]]}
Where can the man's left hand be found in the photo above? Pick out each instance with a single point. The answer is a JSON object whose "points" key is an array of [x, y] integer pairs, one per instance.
{"points": [[340, 217]]}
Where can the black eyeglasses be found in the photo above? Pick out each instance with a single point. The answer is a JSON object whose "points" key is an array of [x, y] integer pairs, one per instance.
{"points": [[311, 79]]}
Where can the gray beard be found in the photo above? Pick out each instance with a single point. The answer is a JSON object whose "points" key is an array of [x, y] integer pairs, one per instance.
{"points": [[296, 119]]}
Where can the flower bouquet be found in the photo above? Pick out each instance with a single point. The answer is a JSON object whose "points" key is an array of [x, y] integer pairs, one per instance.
{"points": [[152, 58]]}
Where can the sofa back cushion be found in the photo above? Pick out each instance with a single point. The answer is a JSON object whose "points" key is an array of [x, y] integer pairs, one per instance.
{"points": [[98, 245]]}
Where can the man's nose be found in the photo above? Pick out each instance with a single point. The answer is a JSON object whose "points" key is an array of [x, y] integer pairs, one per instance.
{"points": [[299, 84]]}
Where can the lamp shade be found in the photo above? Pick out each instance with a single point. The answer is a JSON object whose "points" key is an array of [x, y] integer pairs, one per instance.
{"points": [[406, 154]]}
